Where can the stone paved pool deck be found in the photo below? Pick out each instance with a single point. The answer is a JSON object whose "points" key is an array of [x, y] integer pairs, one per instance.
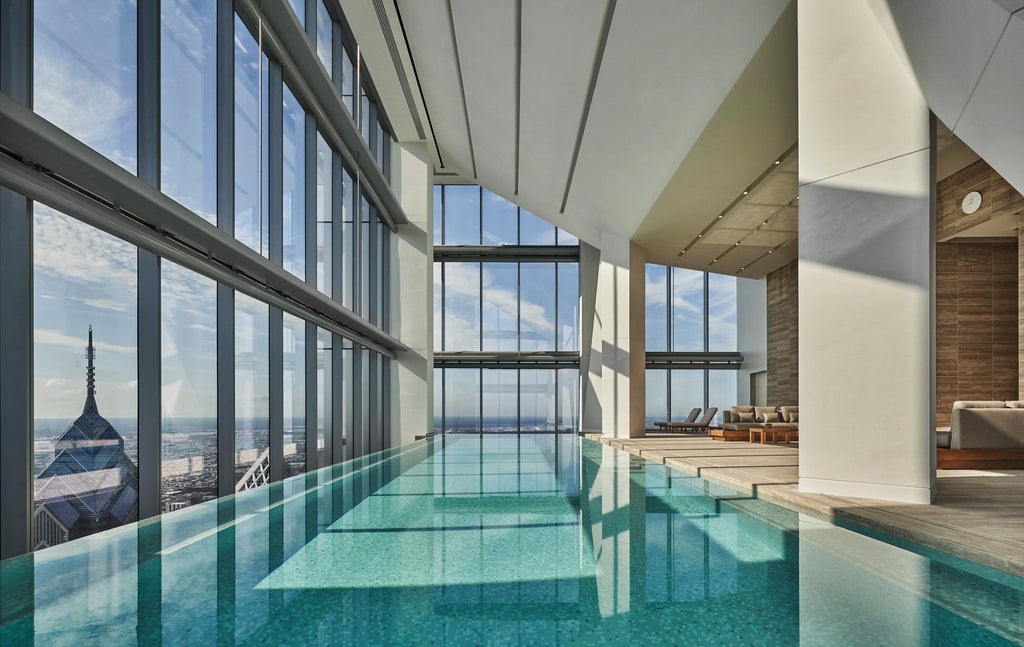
{"points": [[978, 515]]}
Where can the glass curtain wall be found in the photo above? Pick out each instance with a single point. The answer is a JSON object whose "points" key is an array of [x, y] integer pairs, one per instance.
{"points": [[512, 307], [98, 354], [188, 111], [252, 141], [688, 311], [188, 339], [85, 463]]}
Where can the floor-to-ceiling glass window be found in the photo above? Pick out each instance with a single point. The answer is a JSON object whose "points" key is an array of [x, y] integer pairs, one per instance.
{"points": [[124, 336], [461, 323], [294, 402], [348, 241], [689, 314], [188, 104], [462, 399], [537, 306], [324, 215], [252, 392], [324, 395], [365, 256], [252, 141], [514, 301], [537, 399], [499, 390], [86, 379], [188, 340], [324, 36], [568, 399], [85, 73], [499, 307], [721, 312], [293, 208]]}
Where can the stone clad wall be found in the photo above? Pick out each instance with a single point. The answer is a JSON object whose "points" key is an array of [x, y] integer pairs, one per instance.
{"points": [[978, 298], [975, 323], [783, 340]]}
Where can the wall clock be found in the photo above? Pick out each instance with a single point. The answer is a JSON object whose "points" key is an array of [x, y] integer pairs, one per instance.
{"points": [[971, 203]]}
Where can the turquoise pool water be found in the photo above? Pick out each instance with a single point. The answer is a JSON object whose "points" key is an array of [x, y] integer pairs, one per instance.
{"points": [[463, 540]]}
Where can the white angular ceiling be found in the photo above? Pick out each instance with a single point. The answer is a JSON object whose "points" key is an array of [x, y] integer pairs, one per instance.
{"points": [[506, 85]]}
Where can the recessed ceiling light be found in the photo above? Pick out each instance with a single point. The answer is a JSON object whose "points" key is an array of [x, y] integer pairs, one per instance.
{"points": [[770, 251], [746, 192], [714, 260], [700, 235], [742, 268], [764, 223], [778, 161], [737, 244], [719, 216]]}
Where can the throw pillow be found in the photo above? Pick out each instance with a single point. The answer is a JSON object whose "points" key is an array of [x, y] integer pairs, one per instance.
{"points": [[769, 417], [794, 417], [746, 416]]}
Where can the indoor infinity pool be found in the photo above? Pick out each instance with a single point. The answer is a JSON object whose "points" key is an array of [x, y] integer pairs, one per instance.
{"points": [[532, 539]]}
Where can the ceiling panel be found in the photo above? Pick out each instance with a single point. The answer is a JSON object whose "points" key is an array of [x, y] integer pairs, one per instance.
{"points": [[777, 189], [723, 236], [558, 44], [767, 238], [699, 256], [667, 67], [785, 220], [485, 32], [427, 27], [748, 216]]}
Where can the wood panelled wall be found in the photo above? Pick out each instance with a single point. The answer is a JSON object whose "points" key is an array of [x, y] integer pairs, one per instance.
{"points": [[783, 339], [998, 198], [975, 323]]}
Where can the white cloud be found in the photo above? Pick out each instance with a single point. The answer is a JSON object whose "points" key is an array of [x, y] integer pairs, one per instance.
{"points": [[57, 338]]}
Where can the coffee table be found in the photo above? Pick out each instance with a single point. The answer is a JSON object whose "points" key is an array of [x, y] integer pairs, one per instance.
{"points": [[764, 432]]}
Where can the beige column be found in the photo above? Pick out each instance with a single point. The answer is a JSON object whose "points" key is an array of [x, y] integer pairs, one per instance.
{"points": [[866, 262], [412, 289], [617, 343]]}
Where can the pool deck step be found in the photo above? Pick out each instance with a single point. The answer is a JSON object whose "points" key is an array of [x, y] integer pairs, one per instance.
{"points": [[976, 514]]}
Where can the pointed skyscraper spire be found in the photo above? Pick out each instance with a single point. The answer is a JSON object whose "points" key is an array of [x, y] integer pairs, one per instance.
{"points": [[90, 378]]}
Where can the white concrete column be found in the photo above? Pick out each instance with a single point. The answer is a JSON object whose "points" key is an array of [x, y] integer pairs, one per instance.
{"points": [[412, 295], [590, 341], [867, 241], [616, 344]]}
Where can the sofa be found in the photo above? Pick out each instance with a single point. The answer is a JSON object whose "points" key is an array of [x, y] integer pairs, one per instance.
{"points": [[987, 425], [985, 434], [739, 420]]}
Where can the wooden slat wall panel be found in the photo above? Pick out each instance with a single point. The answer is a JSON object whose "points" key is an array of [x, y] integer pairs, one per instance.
{"points": [[998, 198], [976, 323], [783, 338]]}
